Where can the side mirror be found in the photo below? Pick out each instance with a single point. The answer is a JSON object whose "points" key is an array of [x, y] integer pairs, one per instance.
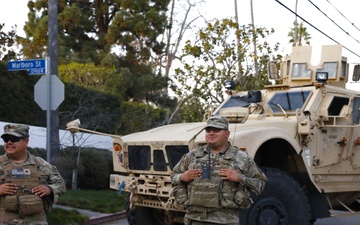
{"points": [[356, 73], [235, 114], [273, 71]]}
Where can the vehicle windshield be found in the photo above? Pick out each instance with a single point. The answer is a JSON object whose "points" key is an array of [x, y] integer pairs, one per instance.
{"points": [[236, 101], [288, 101], [242, 101]]}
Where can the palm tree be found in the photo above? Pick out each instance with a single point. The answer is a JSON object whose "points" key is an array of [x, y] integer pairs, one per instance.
{"points": [[299, 34]]}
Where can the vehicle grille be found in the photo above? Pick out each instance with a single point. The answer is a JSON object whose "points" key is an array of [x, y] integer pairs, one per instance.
{"points": [[174, 153], [140, 157]]}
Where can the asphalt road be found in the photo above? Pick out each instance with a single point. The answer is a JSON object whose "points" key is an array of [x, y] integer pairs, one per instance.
{"points": [[348, 220], [343, 220]]}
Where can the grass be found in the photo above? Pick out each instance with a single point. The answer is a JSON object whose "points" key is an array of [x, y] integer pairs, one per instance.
{"points": [[66, 217], [105, 201]]}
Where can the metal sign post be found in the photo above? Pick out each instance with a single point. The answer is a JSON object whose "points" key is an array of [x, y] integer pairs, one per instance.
{"points": [[48, 119], [51, 83]]}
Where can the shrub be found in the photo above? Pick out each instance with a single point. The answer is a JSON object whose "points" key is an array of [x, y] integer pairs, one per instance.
{"points": [[94, 169]]}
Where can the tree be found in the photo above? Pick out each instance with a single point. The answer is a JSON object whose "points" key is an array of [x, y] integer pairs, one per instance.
{"points": [[97, 99], [81, 172], [100, 171], [299, 33], [138, 116], [120, 33], [181, 20], [176, 30], [89, 30], [135, 29], [193, 110], [95, 95], [99, 78], [212, 58], [99, 111], [7, 43]]}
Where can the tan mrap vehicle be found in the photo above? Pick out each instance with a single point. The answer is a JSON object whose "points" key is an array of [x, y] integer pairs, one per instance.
{"points": [[302, 131]]}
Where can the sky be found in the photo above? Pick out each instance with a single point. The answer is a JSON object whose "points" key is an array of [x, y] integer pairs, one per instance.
{"points": [[272, 14], [328, 21]]}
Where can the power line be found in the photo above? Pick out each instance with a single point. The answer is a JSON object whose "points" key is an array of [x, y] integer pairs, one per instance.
{"points": [[316, 28], [342, 15], [333, 21]]}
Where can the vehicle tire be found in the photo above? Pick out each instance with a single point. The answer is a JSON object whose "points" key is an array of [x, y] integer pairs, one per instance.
{"points": [[144, 215], [283, 202]]}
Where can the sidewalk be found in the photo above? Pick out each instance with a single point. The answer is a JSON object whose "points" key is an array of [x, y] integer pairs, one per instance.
{"points": [[90, 214], [99, 218]]}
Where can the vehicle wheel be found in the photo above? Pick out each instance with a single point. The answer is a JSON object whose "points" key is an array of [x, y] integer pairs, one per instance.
{"points": [[144, 215], [282, 202]]}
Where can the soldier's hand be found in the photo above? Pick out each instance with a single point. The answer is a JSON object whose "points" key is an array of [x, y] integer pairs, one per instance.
{"points": [[8, 189], [229, 174], [41, 190], [190, 175]]}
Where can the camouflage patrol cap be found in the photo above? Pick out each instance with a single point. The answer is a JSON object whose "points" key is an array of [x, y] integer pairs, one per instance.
{"points": [[218, 122], [18, 130]]}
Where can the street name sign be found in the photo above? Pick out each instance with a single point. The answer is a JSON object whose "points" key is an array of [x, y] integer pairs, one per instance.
{"points": [[34, 66]]}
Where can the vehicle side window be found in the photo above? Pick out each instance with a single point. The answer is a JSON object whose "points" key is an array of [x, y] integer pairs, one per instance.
{"points": [[336, 105], [289, 101], [299, 71], [356, 111]]}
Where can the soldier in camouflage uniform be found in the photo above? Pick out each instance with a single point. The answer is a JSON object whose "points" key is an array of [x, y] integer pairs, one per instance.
{"points": [[29, 185], [216, 180]]}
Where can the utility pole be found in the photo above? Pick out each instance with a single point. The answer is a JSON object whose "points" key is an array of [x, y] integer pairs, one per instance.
{"points": [[296, 29], [254, 39], [53, 54], [238, 44]]}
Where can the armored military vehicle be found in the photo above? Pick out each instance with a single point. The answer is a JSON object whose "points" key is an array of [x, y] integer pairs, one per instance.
{"points": [[303, 131]]}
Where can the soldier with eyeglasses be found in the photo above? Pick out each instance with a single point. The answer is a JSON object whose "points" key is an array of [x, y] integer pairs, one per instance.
{"points": [[29, 186], [216, 180]]}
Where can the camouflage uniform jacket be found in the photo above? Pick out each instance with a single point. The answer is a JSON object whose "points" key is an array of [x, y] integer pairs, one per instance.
{"points": [[50, 177], [232, 195]]}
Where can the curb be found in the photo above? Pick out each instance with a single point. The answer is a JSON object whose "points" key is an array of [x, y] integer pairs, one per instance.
{"points": [[106, 218]]}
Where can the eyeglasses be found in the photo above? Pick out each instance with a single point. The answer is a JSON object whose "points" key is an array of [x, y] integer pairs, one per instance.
{"points": [[13, 139], [213, 129]]}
